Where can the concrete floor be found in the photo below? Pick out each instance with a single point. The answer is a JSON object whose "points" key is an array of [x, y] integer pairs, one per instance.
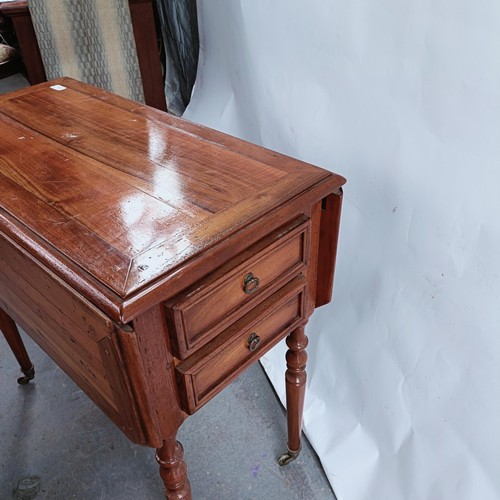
{"points": [[54, 442]]}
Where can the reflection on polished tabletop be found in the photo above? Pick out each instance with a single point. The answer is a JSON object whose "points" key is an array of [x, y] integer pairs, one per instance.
{"points": [[154, 259]]}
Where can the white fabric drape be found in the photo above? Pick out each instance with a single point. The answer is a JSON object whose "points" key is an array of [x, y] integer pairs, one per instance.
{"points": [[403, 99]]}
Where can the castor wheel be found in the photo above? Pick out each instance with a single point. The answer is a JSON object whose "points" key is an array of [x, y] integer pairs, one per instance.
{"points": [[28, 375], [288, 457]]}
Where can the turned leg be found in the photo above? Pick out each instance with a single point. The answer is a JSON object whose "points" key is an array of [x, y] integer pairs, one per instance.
{"points": [[11, 334], [296, 359], [173, 470]]}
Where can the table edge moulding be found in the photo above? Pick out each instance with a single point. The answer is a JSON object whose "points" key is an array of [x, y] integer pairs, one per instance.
{"points": [[154, 259]]}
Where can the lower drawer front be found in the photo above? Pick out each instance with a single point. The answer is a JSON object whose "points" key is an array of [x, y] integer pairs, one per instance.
{"points": [[214, 366]]}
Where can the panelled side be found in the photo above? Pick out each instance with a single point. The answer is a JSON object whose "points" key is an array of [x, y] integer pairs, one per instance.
{"points": [[76, 335], [328, 240]]}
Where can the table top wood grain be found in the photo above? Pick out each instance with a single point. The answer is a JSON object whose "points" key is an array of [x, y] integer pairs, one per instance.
{"points": [[116, 198]]}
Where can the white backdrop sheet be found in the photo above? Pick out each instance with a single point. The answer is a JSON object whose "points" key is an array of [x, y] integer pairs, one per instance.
{"points": [[403, 99]]}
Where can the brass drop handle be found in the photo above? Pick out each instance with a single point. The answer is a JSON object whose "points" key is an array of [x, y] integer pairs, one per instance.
{"points": [[253, 342], [250, 283]]}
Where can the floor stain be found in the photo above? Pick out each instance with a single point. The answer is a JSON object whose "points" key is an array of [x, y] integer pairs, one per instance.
{"points": [[27, 488]]}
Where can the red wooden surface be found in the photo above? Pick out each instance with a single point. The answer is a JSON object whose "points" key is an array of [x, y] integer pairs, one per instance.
{"points": [[125, 238]]}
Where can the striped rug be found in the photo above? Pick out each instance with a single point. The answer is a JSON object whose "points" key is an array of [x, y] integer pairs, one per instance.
{"points": [[90, 40]]}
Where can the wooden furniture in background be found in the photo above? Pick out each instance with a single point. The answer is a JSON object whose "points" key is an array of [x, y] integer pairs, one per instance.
{"points": [[143, 23], [154, 259], [10, 61]]}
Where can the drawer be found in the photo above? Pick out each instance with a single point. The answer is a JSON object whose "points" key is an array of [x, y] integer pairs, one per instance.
{"points": [[199, 314], [215, 365]]}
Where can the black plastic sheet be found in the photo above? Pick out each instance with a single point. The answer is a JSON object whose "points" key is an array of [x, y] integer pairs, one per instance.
{"points": [[179, 26]]}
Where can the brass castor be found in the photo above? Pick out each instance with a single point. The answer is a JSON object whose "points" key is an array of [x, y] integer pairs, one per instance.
{"points": [[29, 374], [288, 457]]}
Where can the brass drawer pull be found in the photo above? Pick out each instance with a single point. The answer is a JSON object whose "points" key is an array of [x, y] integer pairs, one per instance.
{"points": [[253, 342], [250, 283]]}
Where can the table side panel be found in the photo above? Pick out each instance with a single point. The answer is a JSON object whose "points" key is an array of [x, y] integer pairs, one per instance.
{"points": [[71, 331], [327, 251]]}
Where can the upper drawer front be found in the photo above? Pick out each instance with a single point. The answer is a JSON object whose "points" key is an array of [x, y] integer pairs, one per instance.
{"points": [[214, 366], [207, 308]]}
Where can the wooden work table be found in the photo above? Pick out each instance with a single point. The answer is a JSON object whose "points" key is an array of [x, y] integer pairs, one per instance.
{"points": [[154, 259]]}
